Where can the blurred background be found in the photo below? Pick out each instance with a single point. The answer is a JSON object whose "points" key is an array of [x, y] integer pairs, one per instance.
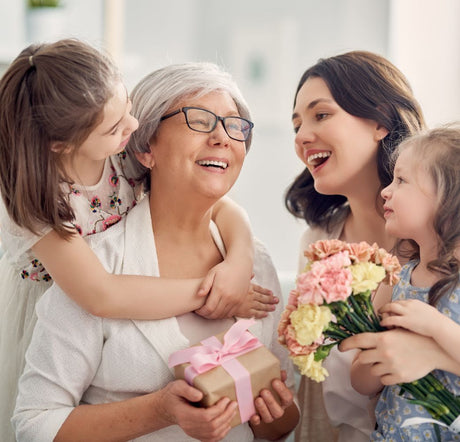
{"points": [[266, 45]]}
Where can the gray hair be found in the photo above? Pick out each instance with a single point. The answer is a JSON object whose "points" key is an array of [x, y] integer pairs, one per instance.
{"points": [[156, 93]]}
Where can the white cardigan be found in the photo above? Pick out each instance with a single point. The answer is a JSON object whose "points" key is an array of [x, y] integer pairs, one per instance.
{"points": [[75, 357]]}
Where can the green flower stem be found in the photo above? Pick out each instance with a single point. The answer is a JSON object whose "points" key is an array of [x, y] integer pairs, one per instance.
{"points": [[334, 331], [431, 394], [352, 323], [361, 325], [362, 314], [371, 312], [442, 394], [445, 395]]}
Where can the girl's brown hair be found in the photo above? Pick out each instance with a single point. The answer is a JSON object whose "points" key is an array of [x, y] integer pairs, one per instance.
{"points": [[438, 152], [51, 98]]}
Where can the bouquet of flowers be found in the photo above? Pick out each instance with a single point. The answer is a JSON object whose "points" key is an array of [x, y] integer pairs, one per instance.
{"points": [[332, 301]]}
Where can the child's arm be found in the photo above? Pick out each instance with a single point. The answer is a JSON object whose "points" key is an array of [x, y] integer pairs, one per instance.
{"points": [[231, 293], [78, 271], [140, 297], [425, 320]]}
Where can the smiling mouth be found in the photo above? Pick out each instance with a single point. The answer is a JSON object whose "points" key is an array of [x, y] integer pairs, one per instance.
{"points": [[219, 164], [318, 158]]}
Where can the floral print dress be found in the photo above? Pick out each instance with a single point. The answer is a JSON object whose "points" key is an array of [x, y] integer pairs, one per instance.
{"points": [[23, 279], [96, 207], [392, 408]]}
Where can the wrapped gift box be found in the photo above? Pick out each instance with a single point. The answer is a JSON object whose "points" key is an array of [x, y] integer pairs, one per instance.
{"points": [[261, 367]]}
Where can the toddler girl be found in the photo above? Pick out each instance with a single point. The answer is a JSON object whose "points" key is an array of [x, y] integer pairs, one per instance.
{"points": [[421, 205]]}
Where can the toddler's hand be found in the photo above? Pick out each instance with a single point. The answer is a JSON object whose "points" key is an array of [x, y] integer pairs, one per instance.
{"points": [[411, 314]]}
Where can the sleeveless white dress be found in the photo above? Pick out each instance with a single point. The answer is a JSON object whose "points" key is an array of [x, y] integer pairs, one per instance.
{"points": [[23, 279]]}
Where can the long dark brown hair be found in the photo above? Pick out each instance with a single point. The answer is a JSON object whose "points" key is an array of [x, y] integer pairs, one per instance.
{"points": [[365, 85], [51, 98], [438, 153]]}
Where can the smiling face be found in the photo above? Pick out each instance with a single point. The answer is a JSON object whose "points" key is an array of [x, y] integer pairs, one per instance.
{"points": [[410, 200], [112, 134], [339, 149], [84, 164], [191, 163]]}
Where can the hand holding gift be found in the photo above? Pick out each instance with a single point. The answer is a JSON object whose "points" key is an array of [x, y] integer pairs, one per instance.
{"points": [[236, 365], [205, 424]]}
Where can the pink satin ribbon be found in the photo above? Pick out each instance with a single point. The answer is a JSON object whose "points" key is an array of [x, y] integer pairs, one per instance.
{"points": [[237, 341]]}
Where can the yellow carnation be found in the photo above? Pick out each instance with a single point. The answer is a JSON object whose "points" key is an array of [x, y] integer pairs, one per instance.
{"points": [[366, 276], [309, 322], [311, 368]]}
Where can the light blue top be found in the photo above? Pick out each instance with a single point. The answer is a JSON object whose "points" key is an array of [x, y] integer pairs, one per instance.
{"points": [[392, 409]]}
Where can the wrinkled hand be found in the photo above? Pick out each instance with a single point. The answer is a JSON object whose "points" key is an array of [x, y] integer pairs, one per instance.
{"points": [[257, 303], [267, 407], [411, 314], [206, 424], [227, 285], [396, 355]]}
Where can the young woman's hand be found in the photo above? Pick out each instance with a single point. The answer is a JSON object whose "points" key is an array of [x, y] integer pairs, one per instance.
{"points": [[395, 356], [205, 424]]}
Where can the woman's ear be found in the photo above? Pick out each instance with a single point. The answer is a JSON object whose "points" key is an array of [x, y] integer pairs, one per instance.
{"points": [[146, 158], [381, 132]]}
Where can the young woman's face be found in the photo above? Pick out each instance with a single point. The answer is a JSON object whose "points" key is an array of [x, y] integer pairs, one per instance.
{"points": [[339, 149], [207, 163], [410, 200], [112, 134]]}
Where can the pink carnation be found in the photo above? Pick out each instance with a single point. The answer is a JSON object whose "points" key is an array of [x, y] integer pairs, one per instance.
{"points": [[328, 280], [324, 248], [309, 288], [284, 322], [390, 263], [360, 252]]}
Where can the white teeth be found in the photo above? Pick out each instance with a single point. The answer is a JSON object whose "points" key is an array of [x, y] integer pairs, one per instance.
{"points": [[213, 163], [311, 158]]}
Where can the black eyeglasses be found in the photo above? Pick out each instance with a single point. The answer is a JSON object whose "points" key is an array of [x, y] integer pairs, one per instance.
{"points": [[202, 120]]}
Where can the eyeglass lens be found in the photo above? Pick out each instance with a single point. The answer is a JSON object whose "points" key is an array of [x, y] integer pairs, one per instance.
{"points": [[202, 120]]}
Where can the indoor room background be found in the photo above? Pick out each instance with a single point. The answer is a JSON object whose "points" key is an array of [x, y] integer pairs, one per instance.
{"points": [[266, 45]]}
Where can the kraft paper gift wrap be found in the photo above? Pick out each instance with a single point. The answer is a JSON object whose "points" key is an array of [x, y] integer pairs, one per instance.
{"points": [[234, 364]]}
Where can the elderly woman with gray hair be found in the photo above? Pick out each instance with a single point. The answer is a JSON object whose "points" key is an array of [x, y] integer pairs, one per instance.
{"points": [[90, 378]]}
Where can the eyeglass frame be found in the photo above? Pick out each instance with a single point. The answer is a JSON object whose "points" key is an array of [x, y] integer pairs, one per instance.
{"points": [[217, 119]]}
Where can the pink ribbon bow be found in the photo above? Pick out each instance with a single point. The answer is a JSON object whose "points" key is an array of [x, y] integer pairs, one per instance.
{"points": [[212, 353]]}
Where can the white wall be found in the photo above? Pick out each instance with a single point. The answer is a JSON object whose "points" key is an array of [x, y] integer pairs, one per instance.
{"points": [[425, 44]]}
